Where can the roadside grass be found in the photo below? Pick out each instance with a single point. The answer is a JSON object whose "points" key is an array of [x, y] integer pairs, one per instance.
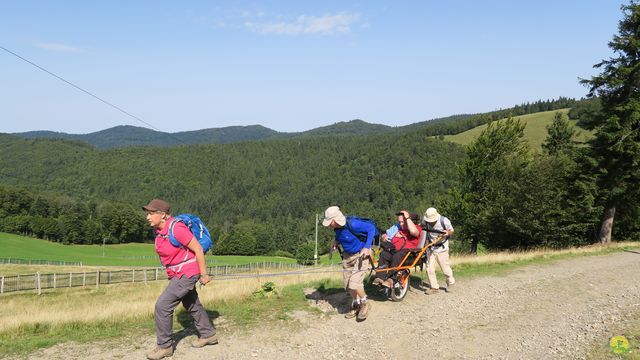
{"points": [[29, 322], [603, 350], [493, 264]]}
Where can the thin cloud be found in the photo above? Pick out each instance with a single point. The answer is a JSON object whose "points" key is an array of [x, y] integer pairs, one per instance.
{"points": [[58, 47], [328, 24]]}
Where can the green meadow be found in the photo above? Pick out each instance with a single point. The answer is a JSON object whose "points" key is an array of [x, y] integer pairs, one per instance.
{"points": [[21, 247], [535, 131]]}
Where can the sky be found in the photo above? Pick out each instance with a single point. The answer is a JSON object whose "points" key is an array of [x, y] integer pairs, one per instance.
{"points": [[289, 65]]}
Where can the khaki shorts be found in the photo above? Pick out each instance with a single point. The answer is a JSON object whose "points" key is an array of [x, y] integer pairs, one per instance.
{"points": [[354, 271]]}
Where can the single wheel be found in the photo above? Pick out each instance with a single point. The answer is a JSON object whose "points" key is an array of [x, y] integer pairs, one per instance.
{"points": [[401, 285]]}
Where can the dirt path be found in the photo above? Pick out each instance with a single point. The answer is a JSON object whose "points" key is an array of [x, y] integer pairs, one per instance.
{"points": [[556, 310]]}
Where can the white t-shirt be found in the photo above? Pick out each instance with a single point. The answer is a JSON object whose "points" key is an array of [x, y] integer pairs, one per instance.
{"points": [[432, 236]]}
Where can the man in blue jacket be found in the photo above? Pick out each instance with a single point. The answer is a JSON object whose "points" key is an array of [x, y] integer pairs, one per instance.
{"points": [[355, 236]]}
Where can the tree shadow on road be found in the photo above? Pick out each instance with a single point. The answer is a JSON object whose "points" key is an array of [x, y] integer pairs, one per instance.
{"points": [[336, 298]]}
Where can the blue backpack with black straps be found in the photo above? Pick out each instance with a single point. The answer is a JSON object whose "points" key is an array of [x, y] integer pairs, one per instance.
{"points": [[362, 236], [197, 228]]}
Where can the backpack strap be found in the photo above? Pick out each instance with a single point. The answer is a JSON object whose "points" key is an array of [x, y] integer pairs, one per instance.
{"points": [[172, 237], [177, 267], [443, 229], [360, 236]]}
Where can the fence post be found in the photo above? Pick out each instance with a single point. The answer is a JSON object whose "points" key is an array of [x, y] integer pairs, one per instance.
{"points": [[38, 286], [145, 276], [84, 278], [2, 285], [156, 274], [70, 278], [18, 283], [54, 280], [98, 279], [133, 275]]}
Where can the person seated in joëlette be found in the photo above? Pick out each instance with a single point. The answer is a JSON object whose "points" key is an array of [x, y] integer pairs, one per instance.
{"points": [[396, 242]]}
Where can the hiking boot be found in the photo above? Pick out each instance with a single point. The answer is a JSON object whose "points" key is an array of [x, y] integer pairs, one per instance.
{"points": [[431, 291], [159, 353], [377, 281], [450, 288], [364, 311], [211, 340], [353, 312], [388, 283]]}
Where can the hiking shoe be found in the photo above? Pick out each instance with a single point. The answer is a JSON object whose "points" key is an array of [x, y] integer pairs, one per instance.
{"points": [[364, 311], [388, 283], [353, 312], [377, 281], [211, 340], [159, 353], [450, 288], [431, 291]]}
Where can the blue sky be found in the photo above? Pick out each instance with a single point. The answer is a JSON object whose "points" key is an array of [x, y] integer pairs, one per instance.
{"points": [[290, 65]]}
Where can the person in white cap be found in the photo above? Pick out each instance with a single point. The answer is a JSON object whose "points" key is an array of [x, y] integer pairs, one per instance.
{"points": [[440, 251], [355, 235]]}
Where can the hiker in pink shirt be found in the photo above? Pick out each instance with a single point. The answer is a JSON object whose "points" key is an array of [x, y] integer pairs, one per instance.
{"points": [[185, 266]]}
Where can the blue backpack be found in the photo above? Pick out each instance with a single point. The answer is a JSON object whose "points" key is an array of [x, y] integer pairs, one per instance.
{"points": [[197, 228], [362, 236]]}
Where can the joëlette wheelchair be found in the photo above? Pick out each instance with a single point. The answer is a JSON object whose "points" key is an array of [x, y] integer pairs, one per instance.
{"points": [[413, 259]]}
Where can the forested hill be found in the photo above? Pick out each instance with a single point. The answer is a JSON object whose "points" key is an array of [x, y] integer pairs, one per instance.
{"points": [[126, 135], [268, 188], [122, 136], [256, 196]]}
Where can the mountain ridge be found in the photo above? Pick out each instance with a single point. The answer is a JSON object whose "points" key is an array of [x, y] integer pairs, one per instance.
{"points": [[129, 135]]}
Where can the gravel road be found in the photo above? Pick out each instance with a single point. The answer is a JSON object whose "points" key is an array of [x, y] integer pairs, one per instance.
{"points": [[551, 311]]}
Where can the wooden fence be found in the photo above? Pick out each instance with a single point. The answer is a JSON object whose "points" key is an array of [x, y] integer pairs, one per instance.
{"points": [[40, 281]]}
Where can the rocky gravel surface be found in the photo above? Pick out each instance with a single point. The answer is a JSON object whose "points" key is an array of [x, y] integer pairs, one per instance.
{"points": [[553, 311]]}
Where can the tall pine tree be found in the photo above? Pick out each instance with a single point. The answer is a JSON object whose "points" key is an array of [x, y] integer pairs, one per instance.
{"points": [[616, 145]]}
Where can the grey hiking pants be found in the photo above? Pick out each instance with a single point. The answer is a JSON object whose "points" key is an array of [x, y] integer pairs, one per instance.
{"points": [[183, 290]]}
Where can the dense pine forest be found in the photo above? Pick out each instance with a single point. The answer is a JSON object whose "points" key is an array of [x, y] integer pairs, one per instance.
{"points": [[261, 197], [255, 196]]}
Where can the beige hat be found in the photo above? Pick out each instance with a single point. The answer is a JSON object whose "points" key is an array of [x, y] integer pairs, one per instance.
{"points": [[431, 215], [157, 205], [333, 213]]}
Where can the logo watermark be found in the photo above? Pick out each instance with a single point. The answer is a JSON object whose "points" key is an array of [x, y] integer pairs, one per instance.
{"points": [[619, 345]]}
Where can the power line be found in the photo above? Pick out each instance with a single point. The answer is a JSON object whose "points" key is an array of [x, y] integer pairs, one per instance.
{"points": [[89, 93]]}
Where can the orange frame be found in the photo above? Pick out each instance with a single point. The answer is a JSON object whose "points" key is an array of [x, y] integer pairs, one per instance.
{"points": [[402, 266]]}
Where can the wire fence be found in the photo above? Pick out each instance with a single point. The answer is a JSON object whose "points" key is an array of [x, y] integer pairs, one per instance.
{"points": [[40, 281], [14, 261]]}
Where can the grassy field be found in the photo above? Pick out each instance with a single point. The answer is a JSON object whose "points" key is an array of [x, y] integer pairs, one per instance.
{"points": [[535, 131], [122, 255], [29, 321]]}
